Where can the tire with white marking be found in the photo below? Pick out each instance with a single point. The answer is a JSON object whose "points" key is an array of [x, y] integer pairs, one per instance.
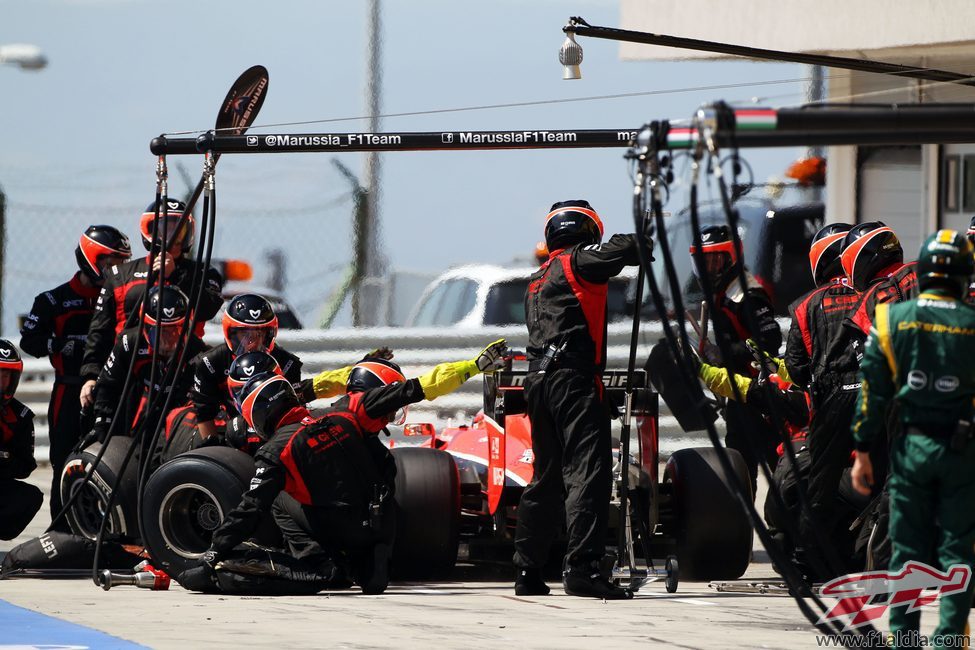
{"points": [[85, 514], [186, 499]]}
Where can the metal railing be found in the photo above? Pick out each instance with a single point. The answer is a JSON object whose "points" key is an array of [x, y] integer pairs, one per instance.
{"points": [[417, 350]]}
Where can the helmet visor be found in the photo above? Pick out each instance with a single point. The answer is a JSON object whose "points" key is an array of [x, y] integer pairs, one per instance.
{"points": [[250, 339], [164, 338], [399, 417], [715, 264], [167, 225], [105, 262], [9, 379], [234, 387]]}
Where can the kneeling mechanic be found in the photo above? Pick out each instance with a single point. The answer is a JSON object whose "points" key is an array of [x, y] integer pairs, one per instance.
{"points": [[329, 480]]}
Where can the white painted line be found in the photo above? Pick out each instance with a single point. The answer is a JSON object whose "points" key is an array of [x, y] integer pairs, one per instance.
{"points": [[686, 601]]}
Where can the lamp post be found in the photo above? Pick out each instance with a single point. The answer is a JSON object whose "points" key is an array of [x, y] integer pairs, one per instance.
{"points": [[32, 59], [25, 57]]}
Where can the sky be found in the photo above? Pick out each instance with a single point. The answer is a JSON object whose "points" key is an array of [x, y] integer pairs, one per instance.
{"points": [[75, 136]]}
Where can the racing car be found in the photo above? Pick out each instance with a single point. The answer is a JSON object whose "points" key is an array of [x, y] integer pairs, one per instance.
{"points": [[691, 512], [457, 493]]}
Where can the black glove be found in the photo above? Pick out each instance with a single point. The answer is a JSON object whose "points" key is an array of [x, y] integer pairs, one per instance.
{"points": [[650, 249], [711, 355], [69, 348], [493, 356], [759, 394], [236, 432], [695, 359], [86, 441], [307, 391], [385, 353], [215, 440], [98, 433]]}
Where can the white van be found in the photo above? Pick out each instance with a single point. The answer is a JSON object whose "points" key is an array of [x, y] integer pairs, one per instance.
{"points": [[480, 295]]}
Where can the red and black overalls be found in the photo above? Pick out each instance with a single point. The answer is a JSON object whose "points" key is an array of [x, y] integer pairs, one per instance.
{"points": [[328, 469], [121, 297], [820, 360], [210, 400], [565, 307], [748, 430], [57, 317], [19, 501], [895, 284], [108, 390]]}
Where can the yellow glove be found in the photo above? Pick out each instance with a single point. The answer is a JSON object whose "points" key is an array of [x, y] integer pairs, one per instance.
{"points": [[447, 377], [718, 381], [781, 370], [330, 383]]}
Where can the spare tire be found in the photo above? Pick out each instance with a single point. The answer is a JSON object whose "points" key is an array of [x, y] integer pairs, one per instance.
{"points": [[85, 515], [186, 499], [428, 514], [713, 534]]}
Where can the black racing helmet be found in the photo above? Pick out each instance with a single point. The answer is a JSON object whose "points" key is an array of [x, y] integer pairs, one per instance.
{"points": [[249, 324], [373, 372], [11, 368], [868, 249], [172, 213], [264, 399], [824, 253], [718, 255], [99, 248], [166, 312], [572, 222], [247, 366], [946, 261]]}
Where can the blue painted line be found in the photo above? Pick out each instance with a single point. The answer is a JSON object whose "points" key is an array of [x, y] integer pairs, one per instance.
{"points": [[26, 628]]}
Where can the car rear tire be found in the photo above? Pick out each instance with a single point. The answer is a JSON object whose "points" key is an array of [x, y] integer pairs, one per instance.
{"points": [[85, 515], [428, 514], [713, 534], [187, 498]]}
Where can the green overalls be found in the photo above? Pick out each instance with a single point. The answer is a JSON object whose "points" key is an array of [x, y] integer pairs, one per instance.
{"points": [[921, 354]]}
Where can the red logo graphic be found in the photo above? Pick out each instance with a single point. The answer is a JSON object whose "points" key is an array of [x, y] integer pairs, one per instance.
{"points": [[865, 596]]}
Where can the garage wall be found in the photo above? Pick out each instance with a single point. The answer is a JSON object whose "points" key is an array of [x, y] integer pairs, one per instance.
{"points": [[891, 190]]}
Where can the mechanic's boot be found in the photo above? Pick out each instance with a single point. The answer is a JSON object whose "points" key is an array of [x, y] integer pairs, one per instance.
{"points": [[529, 583], [588, 581], [337, 573], [375, 576]]}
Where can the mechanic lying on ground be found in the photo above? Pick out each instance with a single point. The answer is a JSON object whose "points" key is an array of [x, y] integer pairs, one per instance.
{"points": [[19, 501], [329, 481]]}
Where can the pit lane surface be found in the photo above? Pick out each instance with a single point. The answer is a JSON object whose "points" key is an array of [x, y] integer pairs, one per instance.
{"points": [[478, 610]]}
